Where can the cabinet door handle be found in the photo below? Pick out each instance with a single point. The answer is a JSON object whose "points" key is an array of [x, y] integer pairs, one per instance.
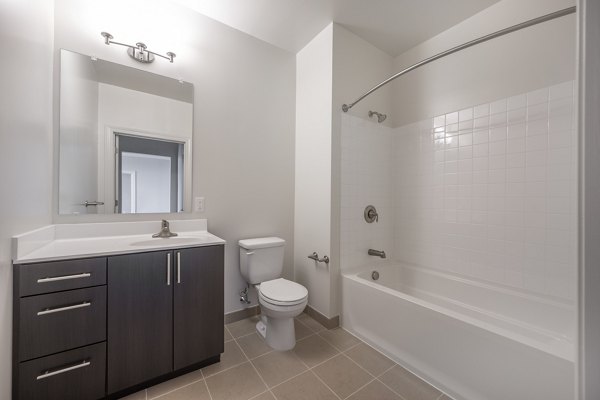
{"points": [[64, 277], [178, 267], [168, 269], [49, 373], [67, 308]]}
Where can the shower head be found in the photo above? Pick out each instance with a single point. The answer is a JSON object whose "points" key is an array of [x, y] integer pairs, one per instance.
{"points": [[380, 117]]}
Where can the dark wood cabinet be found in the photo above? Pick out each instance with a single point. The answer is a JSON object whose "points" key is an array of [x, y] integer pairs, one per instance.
{"points": [[107, 326], [140, 318], [198, 305]]}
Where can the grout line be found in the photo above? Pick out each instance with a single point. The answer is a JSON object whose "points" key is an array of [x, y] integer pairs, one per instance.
{"points": [[206, 385], [223, 370], [360, 388], [339, 348], [383, 383], [177, 388], [260, 394], [360, 366], [252, 364], [386, 370], [353, 346], [323, 382]]}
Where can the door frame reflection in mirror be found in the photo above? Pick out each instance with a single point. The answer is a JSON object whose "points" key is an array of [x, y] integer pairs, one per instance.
{"points": [[107, 182]]}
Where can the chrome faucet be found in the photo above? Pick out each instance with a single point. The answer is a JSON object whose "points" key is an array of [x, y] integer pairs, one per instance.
{"points": [[164, 232], [378, 253]]}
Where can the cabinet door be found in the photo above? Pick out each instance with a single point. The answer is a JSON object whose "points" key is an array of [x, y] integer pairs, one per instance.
{"points": [[198, 305], [140, 318]]}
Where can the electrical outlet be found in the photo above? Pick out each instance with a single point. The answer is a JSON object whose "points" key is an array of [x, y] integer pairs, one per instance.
{"points": [[199, 204]]}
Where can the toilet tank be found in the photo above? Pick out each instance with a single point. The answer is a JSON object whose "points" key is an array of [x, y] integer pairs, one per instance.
{"points": [[261, 259]]}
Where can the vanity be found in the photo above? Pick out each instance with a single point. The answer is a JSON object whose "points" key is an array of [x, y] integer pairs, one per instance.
{"points": [[103, 310]]}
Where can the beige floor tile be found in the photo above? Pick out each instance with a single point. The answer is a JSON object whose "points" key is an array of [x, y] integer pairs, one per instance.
{"points": [[232, 356], [195, 391], [226, 335], [314, 350], [264, 396], [141, 395], [375, 391], [173, 384], [445, 397], [238, 383], [409, 385], [304, 387], [243, 327], [339, 338], [369, 358], [253, 345], [342, 375], [302, 330], [278, 366], [310, 323]]}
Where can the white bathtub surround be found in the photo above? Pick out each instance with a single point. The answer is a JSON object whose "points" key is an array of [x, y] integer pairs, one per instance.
{"points": [[466, 352], [489, 192], [479, 205], [66, 241]]}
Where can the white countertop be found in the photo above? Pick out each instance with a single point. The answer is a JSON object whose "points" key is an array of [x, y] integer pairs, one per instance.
{"points": [[70, 241]]}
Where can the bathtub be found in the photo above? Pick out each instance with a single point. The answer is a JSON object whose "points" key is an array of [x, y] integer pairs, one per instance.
{"points": [[472, 340]]}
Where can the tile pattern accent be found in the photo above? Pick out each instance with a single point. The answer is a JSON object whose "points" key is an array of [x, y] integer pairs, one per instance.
{"points": [[325, 365], [488, 192]]}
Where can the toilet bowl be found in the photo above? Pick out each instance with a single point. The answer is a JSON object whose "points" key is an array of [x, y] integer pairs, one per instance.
{"points": [[281, 300]]}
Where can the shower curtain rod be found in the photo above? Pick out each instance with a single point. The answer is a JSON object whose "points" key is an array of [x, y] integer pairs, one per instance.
{"points": [[502, 32]]}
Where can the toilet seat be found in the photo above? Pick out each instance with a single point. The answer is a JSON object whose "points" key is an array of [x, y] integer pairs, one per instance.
{"points": [[282, 292]]}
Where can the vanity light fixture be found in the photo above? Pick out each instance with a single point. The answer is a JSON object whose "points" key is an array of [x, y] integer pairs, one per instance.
{"points": [[139, 52]]}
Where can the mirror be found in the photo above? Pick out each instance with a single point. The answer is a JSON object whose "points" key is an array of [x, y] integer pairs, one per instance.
{"points": [[125, 139]]}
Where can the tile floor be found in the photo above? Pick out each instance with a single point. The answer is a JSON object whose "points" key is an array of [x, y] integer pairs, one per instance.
{"points": [[325, 364]]}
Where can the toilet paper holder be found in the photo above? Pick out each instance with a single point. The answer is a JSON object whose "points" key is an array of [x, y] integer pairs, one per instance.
{"points": [[315, 256]]}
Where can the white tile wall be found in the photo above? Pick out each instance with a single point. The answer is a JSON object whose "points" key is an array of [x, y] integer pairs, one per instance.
{"points": [[487, 192]]}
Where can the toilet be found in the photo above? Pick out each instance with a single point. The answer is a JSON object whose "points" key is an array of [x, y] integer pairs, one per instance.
{"points": [[261, 265]]}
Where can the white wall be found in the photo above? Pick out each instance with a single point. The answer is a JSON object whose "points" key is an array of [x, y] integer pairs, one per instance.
{"points": [[331, 70], [357, 67], [25, 143], [78, 126], [244, 92], [137, 112], [312, 219], [532, 58], [152, 181]]}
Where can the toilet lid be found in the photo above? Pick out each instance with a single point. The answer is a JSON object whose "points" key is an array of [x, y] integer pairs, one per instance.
{"points": [[281, 290]]}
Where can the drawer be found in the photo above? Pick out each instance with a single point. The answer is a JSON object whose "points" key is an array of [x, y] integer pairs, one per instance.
{"points": [[60, 275], [55, 322], [77, 374]]}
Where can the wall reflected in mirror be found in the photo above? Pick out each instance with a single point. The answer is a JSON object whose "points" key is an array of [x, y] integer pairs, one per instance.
{"points": [[125, 139]]}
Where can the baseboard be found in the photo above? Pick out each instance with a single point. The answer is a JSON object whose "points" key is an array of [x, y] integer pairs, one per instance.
{"points": [[235, 316], [328, 323]]}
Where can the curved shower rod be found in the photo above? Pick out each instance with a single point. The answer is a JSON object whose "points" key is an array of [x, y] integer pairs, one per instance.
{"points": [[502, 32]]}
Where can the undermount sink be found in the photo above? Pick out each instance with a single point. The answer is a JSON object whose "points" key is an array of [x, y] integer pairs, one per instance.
{"points": [[165, 241]]}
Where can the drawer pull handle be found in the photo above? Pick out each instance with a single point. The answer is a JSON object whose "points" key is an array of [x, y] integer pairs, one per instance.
{"points": [[48, 374], [67, 308], [64, 278]]}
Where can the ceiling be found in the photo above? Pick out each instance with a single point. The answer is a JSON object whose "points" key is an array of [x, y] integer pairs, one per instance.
{"points": [[393, 26]]}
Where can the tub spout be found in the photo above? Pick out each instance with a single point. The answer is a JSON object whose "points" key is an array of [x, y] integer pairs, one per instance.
{"points": [[378, 253]]}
